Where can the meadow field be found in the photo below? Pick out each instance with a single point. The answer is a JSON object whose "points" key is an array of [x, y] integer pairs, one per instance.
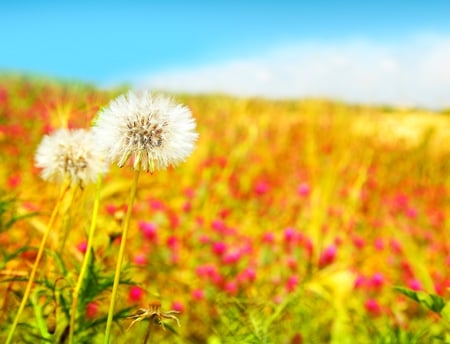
{"points": [[300, 221]]}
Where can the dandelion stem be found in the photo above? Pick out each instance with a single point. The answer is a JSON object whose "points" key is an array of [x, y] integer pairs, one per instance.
{"points": [[68, 213], [123, 241], [86, 260], [147, 332], [36, 262]]}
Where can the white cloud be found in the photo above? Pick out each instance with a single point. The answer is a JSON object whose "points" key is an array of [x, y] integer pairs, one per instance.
{"points": [[414, 72]]}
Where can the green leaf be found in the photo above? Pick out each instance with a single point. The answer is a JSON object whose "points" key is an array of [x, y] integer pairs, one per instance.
{"points": [[438, 303], [433, 302], [408, 292], [445, 312]]}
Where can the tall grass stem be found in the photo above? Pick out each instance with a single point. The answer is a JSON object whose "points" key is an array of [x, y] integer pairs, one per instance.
{"points": [[26, 294], [86, 260]]}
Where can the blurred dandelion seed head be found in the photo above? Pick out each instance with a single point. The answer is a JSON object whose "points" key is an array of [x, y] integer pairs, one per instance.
{"points": [[151, 130], [70, 154]]}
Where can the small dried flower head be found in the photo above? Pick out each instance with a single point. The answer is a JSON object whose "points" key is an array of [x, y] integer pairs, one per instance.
{"points": [[152, 130], [70, 154], [154, 313]]}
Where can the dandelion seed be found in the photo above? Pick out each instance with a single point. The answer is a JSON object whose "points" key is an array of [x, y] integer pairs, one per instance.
{"points": [[70, 154], [151, 130]]}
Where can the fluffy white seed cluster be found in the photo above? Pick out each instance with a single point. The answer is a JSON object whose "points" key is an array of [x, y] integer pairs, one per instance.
{"points": [[150, 130], [70, 154]]}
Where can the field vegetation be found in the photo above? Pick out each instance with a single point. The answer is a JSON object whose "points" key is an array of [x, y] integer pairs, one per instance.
{"points": [[295, 221]]}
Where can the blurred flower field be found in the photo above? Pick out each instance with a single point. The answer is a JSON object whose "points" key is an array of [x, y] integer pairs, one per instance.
{"points": [[303, 221]]}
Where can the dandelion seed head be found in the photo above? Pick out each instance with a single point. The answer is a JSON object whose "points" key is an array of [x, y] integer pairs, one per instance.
{"points": [[70, 154], [150, 130]]}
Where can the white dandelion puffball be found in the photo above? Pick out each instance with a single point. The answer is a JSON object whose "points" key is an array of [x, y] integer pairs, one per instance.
{"points": [[70, 154], [151, 130]]}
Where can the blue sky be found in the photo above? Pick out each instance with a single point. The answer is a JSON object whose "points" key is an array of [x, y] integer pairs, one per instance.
{"points": [[380, 51]]}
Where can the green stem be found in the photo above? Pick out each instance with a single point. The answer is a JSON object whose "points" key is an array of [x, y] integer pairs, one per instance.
{"points": [[36, 264], [147, 332], [86, 260], [123, 241], [38, 314], [67, 219]]}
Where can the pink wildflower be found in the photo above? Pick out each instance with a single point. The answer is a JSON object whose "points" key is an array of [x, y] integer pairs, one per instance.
{"points": [[292, 283], [395, 245], [224, 213], [303, 189], [377, 280], [216, 278], [156, 204], [261, 187], [140, 259], [173, 242], [82, 246], [189, 192], [177, 306], [309, 247], [401, 201], [218, 226], [204, 239], [111, 209], [292, 263], [231, 287], [249, 274], [328, 256], [198, 294], [187, 207], [360, 281], [14, 181], [411, 212], [231, 257], [148, 231], [135, 294], [175, 258], [373, 307], [91, 310], [358, 242], [202, 270], [414, 284], [174, 220], [379, 245], [289, 235], [219, 248], [268, 238]]}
